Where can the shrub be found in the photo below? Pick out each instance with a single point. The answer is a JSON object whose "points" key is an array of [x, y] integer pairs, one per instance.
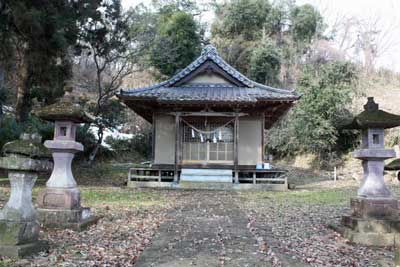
{"points": [[140, 144], [392, 137], [314, 123]]}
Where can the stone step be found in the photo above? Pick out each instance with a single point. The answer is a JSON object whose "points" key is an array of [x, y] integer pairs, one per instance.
{"points": [[205, 172], [206, 175]]}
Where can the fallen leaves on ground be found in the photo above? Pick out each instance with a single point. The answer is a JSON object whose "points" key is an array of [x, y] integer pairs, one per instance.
{"points": [[300, 230], [286, 227], [118, 239]]}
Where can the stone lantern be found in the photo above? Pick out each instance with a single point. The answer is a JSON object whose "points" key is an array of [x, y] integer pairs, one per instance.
{"points": [[60, 203], [19, 229], [374, 218]]}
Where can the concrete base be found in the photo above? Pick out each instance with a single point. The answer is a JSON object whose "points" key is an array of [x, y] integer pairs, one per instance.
{"points": [[25, 250], [370, 239], [206, 175], [77, 220], [263, 187], [208, 186], [203, 185], [136, 184]]}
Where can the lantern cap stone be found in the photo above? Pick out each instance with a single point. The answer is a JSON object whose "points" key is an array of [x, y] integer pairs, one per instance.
{"points": [[29, 145], [394, 165], [26, 154], [64, 110], [373, 117]]}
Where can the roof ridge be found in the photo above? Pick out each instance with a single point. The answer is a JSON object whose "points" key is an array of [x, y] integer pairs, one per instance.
{"points": [[205, 84], [210, 52]]}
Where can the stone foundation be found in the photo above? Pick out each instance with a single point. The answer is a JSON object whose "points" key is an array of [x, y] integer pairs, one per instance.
{"points": [[61, 208], [15, 233], [374, 208], [208, 186], [59, 198], [373, 222], [24, 250], [76, 219]]}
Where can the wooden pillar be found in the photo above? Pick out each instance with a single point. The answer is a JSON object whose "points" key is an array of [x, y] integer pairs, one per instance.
{"points": [[262, 138], [153, 139], [177, 147], [235, 146]]}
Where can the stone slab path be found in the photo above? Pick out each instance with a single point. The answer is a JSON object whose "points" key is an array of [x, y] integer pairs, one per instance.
{"points": [[207, 229]]}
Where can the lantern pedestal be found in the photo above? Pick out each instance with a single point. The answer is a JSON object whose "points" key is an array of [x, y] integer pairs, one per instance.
{"points": [[59, 205], [373, 163], [372, 222]]}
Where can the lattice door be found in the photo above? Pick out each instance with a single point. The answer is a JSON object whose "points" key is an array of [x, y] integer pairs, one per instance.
{"points": [[215, 147]]}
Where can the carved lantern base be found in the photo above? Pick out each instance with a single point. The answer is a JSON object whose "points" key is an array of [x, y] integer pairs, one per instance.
{"points": [[373, 222], [61, 208]]}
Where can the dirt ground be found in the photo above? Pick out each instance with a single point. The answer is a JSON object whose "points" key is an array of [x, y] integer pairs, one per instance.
{"points": [[210, 228]]}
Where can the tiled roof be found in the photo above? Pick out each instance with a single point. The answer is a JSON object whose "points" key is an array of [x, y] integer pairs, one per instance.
{"points": [[249, 92], [210, 93]]}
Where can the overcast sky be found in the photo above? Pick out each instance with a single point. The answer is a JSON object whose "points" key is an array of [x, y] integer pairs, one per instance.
{"points": [[388, 12]]}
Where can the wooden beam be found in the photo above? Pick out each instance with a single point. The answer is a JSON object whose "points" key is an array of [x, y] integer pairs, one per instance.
{"points": [[210, 114]]}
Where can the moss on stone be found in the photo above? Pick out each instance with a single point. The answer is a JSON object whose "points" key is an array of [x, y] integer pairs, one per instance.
{"points": [[394, 165], [9, 233], [18, 163], [374, 119], [10, 214], [64, 111], [26, 148]]}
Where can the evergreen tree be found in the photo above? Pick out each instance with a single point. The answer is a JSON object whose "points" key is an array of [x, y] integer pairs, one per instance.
{"points": [[265, 64], [314, 122], [306, 23], [177, 42], [37, 39], [242, 26]]}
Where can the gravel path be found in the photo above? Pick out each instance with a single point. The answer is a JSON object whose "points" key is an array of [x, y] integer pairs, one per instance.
{"points": [[208, 229], [258, 229]]}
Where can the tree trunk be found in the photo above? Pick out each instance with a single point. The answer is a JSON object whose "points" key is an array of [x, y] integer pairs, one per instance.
{"points": [[1, 93], [23, 103], [22, 106], [93, 154]]}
